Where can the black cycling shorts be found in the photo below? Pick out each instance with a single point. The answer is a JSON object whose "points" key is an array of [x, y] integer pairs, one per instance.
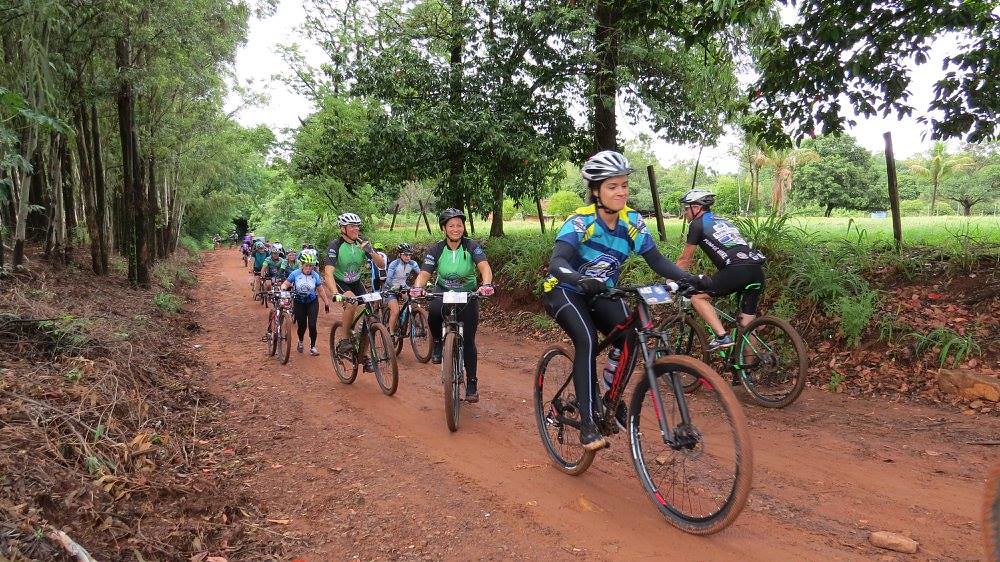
{"points": [[734, 280], [356, 287]]}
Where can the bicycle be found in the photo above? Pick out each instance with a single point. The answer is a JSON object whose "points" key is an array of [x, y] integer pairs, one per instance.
{"points": [[452, 351], [278, 337], [377, 349], [769, 358], [693, 494], [411, 323]]}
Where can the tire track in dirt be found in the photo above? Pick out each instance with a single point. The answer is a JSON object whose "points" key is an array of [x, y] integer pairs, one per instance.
{"points": [[361, 474]]}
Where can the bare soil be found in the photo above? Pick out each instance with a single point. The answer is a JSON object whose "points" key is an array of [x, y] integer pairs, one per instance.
{"points": [[351, 473]]}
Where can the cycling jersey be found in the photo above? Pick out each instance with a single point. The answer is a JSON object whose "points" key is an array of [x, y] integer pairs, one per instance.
{"points": [[258, 260], [722, 241], [456, 269], [398, 273], [305, 285], [347, 259], [275, 268], [600, 250]]}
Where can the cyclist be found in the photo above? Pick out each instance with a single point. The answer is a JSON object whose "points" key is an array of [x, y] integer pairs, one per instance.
{"points": [[378, 273], [273, 269], [260, 254], [739, 266], [345, 258], [456, 260], [292, 260], [307, 284], [589, 251], [397, 277]]}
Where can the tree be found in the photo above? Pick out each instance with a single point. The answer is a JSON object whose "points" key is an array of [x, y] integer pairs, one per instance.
{"points": [[838, 52], [784, 162], [841, 176], [971, 189], [938, 166]]}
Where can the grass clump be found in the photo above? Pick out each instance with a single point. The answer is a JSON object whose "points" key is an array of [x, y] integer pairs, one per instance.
{"points": [[168, 302], [948, 343]]}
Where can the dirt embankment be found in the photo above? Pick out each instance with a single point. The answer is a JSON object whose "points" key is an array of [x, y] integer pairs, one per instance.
{"points": [[352, 473]]}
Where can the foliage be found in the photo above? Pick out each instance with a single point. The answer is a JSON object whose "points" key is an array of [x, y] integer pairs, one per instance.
{"points": [[938, 166], [835, 54], [563, 203], [843, 176], [948, 343], [168, 302], [854, 313]]}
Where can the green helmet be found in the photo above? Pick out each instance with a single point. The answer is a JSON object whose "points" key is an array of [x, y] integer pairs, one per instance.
{"points": [[309, 258]]}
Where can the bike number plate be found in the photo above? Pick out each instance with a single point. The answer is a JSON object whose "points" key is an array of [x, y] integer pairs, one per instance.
{"points": [[371, 297], [455, 297], [286, 294], [655, 294]]}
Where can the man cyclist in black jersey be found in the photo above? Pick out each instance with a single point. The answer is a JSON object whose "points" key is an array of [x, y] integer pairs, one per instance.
{"points": [[739, 265]]}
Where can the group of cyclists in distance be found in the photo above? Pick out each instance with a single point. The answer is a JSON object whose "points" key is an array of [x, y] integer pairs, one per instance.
{"points": [[587, 258]]}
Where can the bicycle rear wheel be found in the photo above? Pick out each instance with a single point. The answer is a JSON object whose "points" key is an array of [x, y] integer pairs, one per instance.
{"points": [[451, 373], [420, 335], [343, 361], [383, 359], [399, 332], [555, 404], [775, 362], [285, 339], [688, 337], [702, 485]]}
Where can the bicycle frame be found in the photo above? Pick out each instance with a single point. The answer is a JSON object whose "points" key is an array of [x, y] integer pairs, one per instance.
{"points": [[640, 323], [451, 323]]}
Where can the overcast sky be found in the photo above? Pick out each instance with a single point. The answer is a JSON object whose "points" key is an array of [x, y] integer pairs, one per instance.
{"points": [[258, 61]]}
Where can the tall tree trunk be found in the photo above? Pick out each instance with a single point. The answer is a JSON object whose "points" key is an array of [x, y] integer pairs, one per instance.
{"points": [[38, 196], [605, 82], [967, 207], [934, 197], [496, 225], [456, 163], [100, 190], [152, 209], [829, 210], [69, 184], [133, 188], [21, 193], [84, 161], [56, 243]]}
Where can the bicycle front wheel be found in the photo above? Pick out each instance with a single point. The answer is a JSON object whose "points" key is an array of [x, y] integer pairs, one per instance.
{"points": [[285, 339], [774, 362], [342, 354], [272, 335], [420, 335], [383, 358], [701, 481], [557, 413], [451, 374]]}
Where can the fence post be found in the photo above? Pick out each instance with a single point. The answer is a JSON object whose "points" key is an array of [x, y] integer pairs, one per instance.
{"points": [[656, 202], [890, 172], [394, 211], [424, 214]]}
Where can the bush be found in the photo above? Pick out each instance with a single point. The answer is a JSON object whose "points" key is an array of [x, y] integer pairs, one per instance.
{"points": [[563, 203], [855, 312], [168, 302], [192, 244]]}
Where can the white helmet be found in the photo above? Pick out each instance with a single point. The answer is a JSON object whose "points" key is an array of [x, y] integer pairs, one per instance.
{"points": [[605, 164], [698, 197], [349, 219], [308, 252]]}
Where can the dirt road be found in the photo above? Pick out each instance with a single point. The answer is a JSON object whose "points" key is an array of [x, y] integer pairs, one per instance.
{"points": [[358, 474]]}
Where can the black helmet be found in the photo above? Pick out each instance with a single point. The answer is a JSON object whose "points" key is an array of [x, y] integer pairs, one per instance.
{"points": [[404, 248], [448, 214]]}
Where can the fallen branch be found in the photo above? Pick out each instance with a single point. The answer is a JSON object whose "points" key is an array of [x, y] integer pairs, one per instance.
{"points": [[982, 442], [70, 546]]}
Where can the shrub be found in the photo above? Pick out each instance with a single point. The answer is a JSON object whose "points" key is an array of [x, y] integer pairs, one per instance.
{"points": [[855, 312], [563, 203], [948, 343], [167, 302]]}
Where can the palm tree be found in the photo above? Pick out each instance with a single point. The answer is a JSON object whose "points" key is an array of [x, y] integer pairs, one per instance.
{"points": [[938, 166], [784, 161]]}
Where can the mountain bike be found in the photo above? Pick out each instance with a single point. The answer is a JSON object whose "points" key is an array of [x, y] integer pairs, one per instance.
{"points": [[411, 323], [366, 342], [452, 351], [769, 358], [692, 452], [278, 337]]}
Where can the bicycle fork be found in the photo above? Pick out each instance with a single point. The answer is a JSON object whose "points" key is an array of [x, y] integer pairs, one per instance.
{"points": [[679, 439]]}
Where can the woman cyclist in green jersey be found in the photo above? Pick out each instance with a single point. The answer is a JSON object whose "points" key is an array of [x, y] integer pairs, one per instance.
{"points": [[456, 259], [346, 258]]}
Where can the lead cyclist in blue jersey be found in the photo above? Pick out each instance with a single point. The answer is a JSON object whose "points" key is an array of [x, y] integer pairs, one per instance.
{"points": [[587, 259]]}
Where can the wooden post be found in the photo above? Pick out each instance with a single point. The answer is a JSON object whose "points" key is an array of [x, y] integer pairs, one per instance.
{"points": [[890, 172], [541, 218], [423, 213], [394, 211], [656, 202]]}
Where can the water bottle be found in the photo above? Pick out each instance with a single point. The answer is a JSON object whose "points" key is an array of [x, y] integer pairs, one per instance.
{"points": [[611, 366]]}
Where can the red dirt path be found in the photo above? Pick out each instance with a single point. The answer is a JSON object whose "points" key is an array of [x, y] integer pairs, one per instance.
{"points": [[360, 475]]}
